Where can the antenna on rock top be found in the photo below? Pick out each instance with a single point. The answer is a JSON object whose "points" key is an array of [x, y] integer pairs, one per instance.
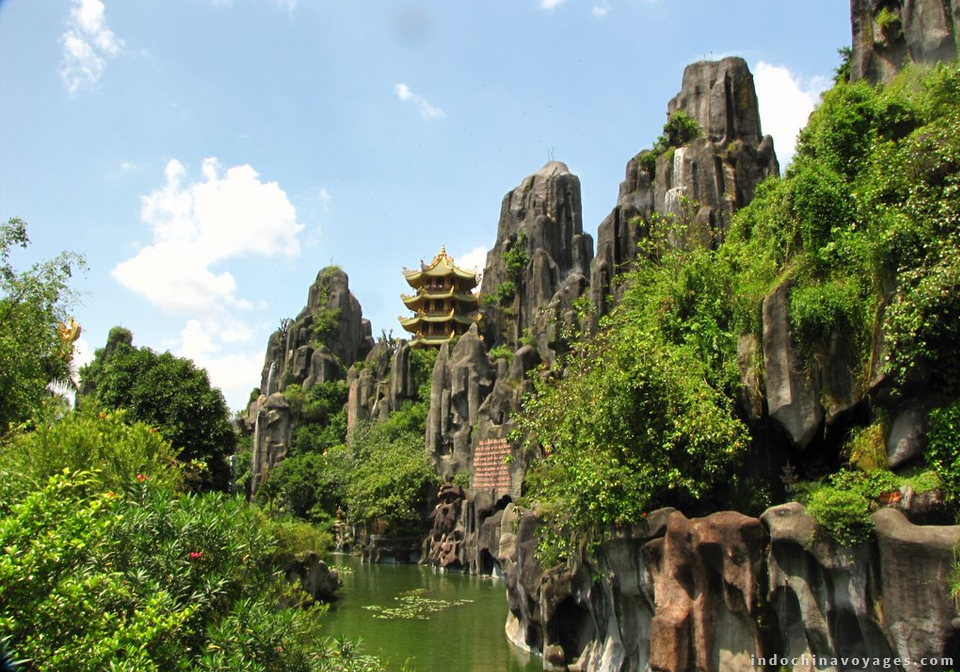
{"points": [[550, 154]]}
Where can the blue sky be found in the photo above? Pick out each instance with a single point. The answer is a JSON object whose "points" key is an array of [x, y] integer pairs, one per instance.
{"points": [[208, 157]]}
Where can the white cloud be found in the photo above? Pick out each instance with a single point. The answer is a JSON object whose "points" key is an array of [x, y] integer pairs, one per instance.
{"points": [[427, 111], [601, 9], [87, 42], [786, 101], [473, 260], [209, 343], [198, 224], [550, 4], [224, 216]]}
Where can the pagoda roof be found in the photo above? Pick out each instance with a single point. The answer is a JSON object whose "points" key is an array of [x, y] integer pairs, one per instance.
{"points": [[413, 323], [432, 340], [441, 266], [411, 301]]}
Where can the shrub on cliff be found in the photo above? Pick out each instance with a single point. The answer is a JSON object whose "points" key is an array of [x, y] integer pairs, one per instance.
{"points": [[640, 418]]}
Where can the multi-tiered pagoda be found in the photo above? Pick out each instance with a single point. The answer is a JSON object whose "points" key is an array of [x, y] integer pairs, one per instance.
{"points": [[445, 304]]}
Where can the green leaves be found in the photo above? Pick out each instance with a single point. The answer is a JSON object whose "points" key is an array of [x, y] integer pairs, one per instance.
{"points": [[32, 305], [169, 393], [148, 580], [636, 422]]}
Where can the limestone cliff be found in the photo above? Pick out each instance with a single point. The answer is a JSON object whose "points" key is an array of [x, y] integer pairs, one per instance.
{"points": [[720, 593], [888, 34], [327, 336], [702, 183], [541, 253]]}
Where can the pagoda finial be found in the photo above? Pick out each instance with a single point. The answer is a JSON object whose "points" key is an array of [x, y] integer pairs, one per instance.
{"points": [[443, 250]]}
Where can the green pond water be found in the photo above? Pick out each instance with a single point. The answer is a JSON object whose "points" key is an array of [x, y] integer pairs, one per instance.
{"points": [[430, 620]]}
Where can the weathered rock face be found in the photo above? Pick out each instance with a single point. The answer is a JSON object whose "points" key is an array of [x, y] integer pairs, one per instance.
{"points": [[271, 438], [702, 183], [541, 220], [720, 95], [331, 325], [469, 427], [314, 577], [329, 335], [717, 593], [792, 387], [888, 34]]}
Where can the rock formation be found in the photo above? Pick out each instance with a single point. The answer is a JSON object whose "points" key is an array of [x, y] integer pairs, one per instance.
{"points": [[542, 251], [330, 326], [888, 34], [717, 593], [702, 183], [329, 335]]}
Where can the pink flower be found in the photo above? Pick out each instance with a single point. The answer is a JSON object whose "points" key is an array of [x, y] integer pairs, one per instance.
{"points": [[196, 555], [142, 477]]}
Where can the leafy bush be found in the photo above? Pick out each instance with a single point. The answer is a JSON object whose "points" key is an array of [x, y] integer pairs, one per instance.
{"points": [[943, 447], [92, 441], [144, 580], [505, 292], [515, 259], [843, 513], [310, 485], [843, 505], [171, 394], [680, 129], [391, 481], [638, 420], [501, 351]]}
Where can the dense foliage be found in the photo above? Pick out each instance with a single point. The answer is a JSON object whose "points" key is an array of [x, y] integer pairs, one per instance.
{"points": [[867, 225], [381, 477], [865, 228], [33, 303], [639, 419], [170, 393], [144, 579], [104, 443], [392, 483]]}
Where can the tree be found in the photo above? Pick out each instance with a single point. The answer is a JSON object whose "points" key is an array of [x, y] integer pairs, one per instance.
{"points": [[33, 304], [170, 393]]}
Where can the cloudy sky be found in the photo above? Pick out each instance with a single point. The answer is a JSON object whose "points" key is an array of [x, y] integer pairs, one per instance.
{"points": [[208, 157]]}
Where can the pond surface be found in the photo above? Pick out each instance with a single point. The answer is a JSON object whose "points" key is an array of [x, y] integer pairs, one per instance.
{"points": [[432, 621]]}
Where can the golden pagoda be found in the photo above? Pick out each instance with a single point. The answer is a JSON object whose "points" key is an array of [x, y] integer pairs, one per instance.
{"points": [[445, 304]]}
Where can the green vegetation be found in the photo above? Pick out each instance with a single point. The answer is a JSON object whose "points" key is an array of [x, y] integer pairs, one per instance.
{"points": [[105, 561], [505, 292], [639, 420], [943, 449], [889, 24], [866, 229], [145, 579], [326, 320], [501, 351], [680, 129], [515, 259], [392, 483], [33, 303], [106, 444], [379, 477], [169, 393]]}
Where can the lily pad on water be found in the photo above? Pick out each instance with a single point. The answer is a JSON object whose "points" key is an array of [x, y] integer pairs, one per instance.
{"points": [[414, 604]]}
